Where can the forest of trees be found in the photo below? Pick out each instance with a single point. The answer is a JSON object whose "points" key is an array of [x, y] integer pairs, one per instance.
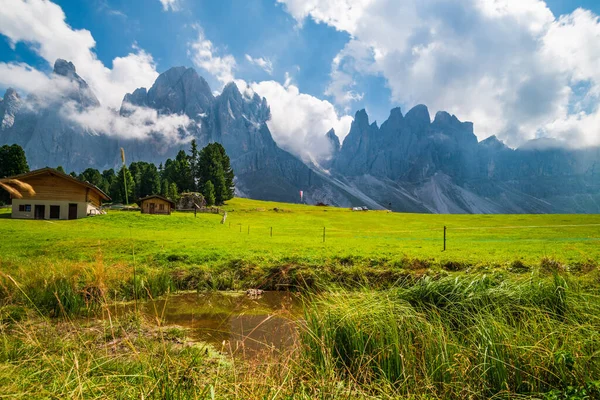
{"points": [[207, 171]]}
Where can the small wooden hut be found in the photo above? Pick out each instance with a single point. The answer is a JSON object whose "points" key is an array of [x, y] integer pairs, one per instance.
{"points": [[156, 204], [57, 196]]}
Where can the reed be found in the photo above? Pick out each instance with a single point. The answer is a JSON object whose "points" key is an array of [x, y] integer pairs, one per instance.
{"points": [[459, 337]]}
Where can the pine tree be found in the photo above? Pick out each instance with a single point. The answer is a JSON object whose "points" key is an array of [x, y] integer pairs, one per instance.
{"points": [[173, 192], [214, 166], [12, 161], [193, 159], [209, 193], [117, 190]]}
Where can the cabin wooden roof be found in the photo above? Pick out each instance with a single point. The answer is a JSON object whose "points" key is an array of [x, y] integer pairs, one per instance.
{"points": [[52, 171], [156, 196]]}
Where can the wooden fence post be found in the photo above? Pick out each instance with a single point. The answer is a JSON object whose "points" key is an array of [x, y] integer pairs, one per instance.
{"points": [[444, 238], [271, 231], [323, 234]]}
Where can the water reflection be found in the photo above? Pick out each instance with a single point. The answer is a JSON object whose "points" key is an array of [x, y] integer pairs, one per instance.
{"points": [[230, 321]]}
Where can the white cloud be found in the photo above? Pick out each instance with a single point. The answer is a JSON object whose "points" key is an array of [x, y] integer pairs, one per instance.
{"points": [[172, 5], [140, 123], [264, 63], [42, 25], [508, 65], [204, 55], [299, 121], [24, 78]]}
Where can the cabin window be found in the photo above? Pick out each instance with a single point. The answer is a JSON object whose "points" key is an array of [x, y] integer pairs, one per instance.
{"points": [[24, 207], [161, 207], [54, 212]]}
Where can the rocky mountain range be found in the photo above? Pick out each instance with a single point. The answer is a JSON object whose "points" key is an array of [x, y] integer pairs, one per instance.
{"points": [[409, 163]]}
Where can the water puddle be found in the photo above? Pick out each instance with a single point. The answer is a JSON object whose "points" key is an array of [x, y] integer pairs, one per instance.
{"points": [[230, 321]]}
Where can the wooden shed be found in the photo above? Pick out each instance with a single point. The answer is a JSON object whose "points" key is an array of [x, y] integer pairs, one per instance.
{"points": [[57, 196], [156, 204]]}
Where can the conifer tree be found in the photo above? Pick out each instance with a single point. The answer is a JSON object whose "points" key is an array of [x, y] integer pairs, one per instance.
{"points": [[209, 193]]}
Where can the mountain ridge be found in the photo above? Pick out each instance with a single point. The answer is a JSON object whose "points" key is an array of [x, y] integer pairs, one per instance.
{"points": [[408, 163]]}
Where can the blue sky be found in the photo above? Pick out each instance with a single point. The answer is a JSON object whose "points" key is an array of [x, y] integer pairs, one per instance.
{"points": [[444, 55]]}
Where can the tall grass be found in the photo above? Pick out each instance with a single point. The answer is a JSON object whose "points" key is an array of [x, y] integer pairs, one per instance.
{"points": [[475, 337]]}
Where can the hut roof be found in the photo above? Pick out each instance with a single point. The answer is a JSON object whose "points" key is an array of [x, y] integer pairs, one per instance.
{"points": [[156, 196], [52, 171]]}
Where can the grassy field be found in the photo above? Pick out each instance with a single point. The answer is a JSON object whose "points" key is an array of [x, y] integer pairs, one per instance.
{"points": [[298, 235], [510, 309]]}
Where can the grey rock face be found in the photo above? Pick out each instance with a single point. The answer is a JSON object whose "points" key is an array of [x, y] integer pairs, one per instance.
{"points": [[440, 166], [334, 141], [410, 163], [9, 107], [81, 93]]}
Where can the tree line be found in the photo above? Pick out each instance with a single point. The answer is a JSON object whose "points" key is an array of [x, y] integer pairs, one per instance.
{"points": [[207, 171]]}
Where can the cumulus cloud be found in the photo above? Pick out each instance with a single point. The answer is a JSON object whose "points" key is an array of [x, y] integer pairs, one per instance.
{"points": [[204, 55], [140, 123], [299, 121], [42, 25], [264, 63], [508, 65], [24, 78], [172, 5]]}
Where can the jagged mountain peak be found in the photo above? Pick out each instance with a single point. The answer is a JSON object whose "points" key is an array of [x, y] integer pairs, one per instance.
{"points": [[396, 114], [179, 90], [450, 124], [11, 94], [82, 95], [334, 140], [493, 143], [361, 116], [232, 90], [420, 113], [64, 68], [9, 107]]}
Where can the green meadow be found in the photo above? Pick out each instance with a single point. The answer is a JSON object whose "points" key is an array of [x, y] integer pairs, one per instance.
{"points": [[510, 309], [266, 232]]}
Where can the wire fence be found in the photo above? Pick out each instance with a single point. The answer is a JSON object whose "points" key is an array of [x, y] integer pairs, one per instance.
{"points": [[444, 234]]}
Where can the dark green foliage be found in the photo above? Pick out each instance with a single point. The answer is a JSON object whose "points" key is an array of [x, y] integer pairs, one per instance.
{"points": [[209, 193], [214, 166], [92, 176], [61, 169], [173, 193], [12, 162], [117, 189], [194, 158], [178, 171], [147, 179]]}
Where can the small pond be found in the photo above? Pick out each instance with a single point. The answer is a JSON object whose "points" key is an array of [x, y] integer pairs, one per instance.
{"points": [[230, 321]]}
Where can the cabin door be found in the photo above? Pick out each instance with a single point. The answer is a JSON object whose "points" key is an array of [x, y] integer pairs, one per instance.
{"points": [[72, 211], [152, 206], [39, 212]]}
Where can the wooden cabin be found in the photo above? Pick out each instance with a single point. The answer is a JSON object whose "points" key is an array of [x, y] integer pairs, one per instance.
{"points": [[156, 204], [57, 196]]}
